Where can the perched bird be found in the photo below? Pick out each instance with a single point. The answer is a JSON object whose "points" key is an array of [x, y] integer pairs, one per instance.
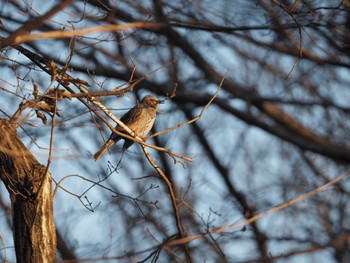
{"points": [[139, 119]]}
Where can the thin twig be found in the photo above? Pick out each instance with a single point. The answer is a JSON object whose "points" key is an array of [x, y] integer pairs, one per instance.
{"points": [[99, 184], [53, 124], [300, 55], [172, 197], [194, 119]]}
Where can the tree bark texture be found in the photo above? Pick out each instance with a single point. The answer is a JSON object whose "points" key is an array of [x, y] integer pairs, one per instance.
{"points": [[30, 189]]}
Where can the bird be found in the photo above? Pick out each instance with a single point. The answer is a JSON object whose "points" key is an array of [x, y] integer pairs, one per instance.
{"points": [[139, 119]]}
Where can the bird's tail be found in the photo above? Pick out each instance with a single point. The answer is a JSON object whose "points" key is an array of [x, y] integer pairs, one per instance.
{"points": [[103, 149]]}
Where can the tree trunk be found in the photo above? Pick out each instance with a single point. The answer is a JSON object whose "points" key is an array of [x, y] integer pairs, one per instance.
{"points": [[30, 189]]}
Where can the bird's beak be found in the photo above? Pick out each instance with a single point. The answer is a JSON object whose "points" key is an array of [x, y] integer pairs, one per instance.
{"points": [[160, 101]]}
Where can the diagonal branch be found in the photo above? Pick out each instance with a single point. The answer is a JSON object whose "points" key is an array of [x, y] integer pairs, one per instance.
{"points": [[42, 63], [12, 39], [19, 39], [263, 214]]}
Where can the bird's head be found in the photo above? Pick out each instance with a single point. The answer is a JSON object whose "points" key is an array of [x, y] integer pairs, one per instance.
{"points": [[151, 101]]}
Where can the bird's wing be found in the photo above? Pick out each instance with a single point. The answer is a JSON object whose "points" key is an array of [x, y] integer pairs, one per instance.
{"points": [[130, 117]]}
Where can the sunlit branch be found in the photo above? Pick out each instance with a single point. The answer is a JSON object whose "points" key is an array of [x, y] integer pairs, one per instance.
{"points": [[260, 215]]}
